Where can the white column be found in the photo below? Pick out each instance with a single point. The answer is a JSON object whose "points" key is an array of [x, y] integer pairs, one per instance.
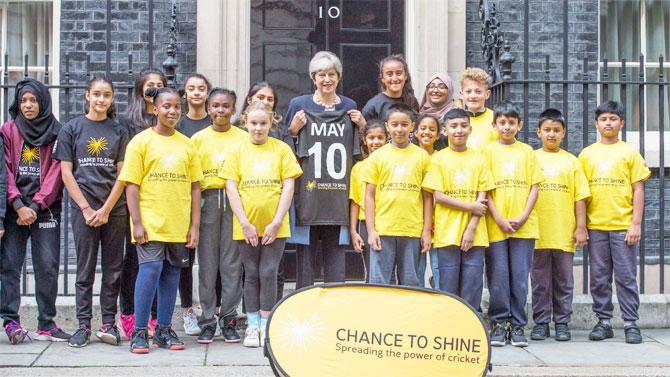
{"points": [[223, 43], [434, 40]]}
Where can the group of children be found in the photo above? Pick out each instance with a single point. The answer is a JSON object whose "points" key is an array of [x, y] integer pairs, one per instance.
{"points": [[454, 184]]}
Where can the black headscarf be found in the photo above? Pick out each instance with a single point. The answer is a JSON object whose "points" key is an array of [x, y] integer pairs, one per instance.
{"points": [[44, 128]]}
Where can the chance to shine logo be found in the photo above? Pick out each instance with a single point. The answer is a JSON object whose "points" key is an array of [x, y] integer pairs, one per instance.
{"points": [[298, 335], [30, 154], [96, 145]]}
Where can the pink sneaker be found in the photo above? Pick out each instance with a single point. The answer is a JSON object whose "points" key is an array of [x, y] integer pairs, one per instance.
{"points": [[127, 324], [153, 323]]}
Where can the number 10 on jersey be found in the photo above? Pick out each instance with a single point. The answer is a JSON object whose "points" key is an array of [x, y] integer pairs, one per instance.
{"points": [[330, 160]]}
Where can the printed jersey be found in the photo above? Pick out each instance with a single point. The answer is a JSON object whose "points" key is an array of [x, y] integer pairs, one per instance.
{"points": [[325, 149]]}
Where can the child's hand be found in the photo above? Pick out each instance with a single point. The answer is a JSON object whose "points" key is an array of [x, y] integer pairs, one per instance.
{"points": [[517, 222], [581, 237], [357, 242], [479, 207], [250, 234], [89, 214], [26, 216], [426, 241], [505, 226], [2, 233], [357, 117], [139, 234], [270, 233], [100, 218], [633, 234], [193, 237], [374, 241], [299, 120], [467, 239]]}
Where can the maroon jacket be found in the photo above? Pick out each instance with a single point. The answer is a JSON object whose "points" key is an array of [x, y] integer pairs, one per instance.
{"points": [[51, 183]]}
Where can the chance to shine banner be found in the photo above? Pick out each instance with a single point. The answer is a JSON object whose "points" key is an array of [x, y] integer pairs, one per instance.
{"points": [[369, 330]]}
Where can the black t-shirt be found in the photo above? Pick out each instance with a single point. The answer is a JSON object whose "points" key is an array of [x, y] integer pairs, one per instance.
{"points": [[28, 173], [189, 127], [326, 146], [378, 107], [133, 128], [94, 148]]}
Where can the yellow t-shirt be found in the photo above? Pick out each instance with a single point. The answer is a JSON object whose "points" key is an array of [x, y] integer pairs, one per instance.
{"points": [[398, 174], [357, 188], [611, 170], [514, 169], [212, 147], [259, 171], [482, 131], [461, 175], [164, 168], [564, 184]]}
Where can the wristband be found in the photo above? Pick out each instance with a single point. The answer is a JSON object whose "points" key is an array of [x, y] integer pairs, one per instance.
{"points": [[85, 208]]}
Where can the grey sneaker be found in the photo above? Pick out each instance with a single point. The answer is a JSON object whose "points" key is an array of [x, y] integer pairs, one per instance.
{"points": [[562, 332], [499, 334], [518, 338], [540, 332], [601, 331]]}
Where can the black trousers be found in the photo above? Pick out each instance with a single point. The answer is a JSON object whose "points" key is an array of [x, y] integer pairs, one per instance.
{"points": [[333, 256], [44, 236], [109, 239]]}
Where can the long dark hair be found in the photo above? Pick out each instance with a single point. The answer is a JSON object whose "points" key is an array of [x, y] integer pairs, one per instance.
{"points": [[137, 105], [111, 111], [407, 96], [182, 91], [255, 88]]}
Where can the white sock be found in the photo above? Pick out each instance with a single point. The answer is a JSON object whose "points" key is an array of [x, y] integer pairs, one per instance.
{"points": [[628, 323], [605, 321], [253, 319], [264, 324]]}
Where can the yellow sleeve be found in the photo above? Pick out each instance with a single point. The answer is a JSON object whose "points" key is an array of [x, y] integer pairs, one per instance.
{"points": [[355, 193], [290, 168], [231, 166], [581, 189], [485, 182], [133, 164], [638, 168], [434, 179], [370, 172], [536, 175], [195, 170]]}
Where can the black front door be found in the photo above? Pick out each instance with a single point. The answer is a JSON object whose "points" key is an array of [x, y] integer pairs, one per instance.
{"points": [[285, 34]]}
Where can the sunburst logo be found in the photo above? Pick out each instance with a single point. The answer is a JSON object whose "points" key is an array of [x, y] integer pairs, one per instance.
{"points": [[400, 171], [460, 177], [30, 154], [259, 167], [298, 336], [219, 158], [550, 171], [509, 167], [604, 167], [169, 160], [95, 146], [311, 185]]}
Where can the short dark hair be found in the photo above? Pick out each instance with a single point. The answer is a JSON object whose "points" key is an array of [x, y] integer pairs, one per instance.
{"points": [[507, 109], [553, 115], [401, 108], [456, 113], [429, 116], [612, 107]]}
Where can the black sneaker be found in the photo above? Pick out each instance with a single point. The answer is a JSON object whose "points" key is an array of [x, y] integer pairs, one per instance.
{"points": [[517, 337], [207, 334], [139, 341], [601, 331], [562, 332], [499, 334], [633, 334], [109, 334], [540, 332], [53, 335], [230, 334], [165, 337], [81, 337]]}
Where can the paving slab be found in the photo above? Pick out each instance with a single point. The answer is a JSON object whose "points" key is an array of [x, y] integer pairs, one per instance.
{"points": [[606, 353], [220, 353], [16, 360], [100, 354], [209, 371], [34, 347], [513, 356], [661, 336]]}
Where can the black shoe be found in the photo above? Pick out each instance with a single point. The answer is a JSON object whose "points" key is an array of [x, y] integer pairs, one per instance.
{"points": [[499, 334], [207, 334], [230, 334], [139, 341], [601, 331], [109, 334], [165, 337], [81, 337], [518, 338], [633, 334], [562, 332], [540, 332]]}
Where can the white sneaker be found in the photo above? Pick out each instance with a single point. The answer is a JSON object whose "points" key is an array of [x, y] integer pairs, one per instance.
{"points": [[261, 336], [191, 323], [251, 338]]}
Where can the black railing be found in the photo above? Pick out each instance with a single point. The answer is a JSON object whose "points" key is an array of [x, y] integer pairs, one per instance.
{"points": [[577, 94]]}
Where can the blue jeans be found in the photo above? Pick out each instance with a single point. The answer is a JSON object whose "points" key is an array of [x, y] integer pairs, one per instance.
{"points": [[152, 276], [432, 253], [508, 264], [462, 273], [402, 252]]}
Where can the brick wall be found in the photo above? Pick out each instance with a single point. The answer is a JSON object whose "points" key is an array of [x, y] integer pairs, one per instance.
{"points": [[84, 31]]}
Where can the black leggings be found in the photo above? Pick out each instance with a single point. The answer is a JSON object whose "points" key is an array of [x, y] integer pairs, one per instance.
{"points": [[186, 284]]}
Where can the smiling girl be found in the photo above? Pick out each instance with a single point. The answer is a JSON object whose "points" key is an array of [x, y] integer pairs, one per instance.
{"points": [[396, 87]]}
